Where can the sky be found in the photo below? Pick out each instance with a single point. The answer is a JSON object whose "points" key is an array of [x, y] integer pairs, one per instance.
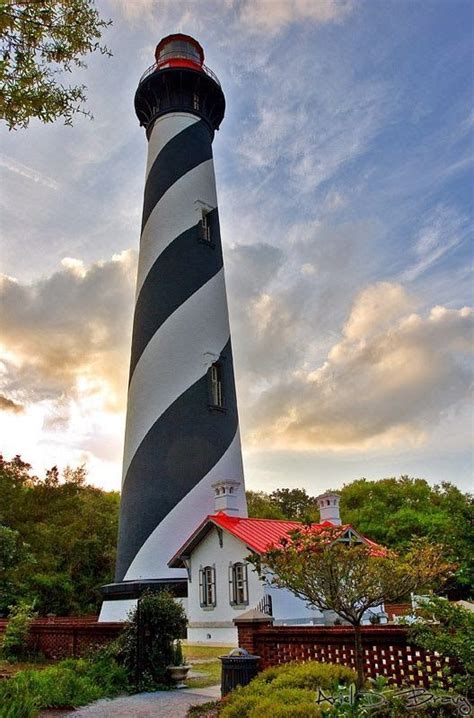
{"points": [[344, 174]]}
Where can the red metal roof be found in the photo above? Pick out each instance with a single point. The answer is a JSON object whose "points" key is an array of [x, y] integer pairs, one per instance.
{"points": [[257, 534], [260, 534]]}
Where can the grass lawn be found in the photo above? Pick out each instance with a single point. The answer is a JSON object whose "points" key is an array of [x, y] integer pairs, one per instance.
{"points": [[210, 675], [9, 669], [205, 661], [193, 653]]}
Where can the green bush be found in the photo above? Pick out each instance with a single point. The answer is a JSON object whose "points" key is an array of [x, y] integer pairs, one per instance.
{"points": [[448, 629], [284, 703], [292, 691], [14, 703], [15, 639], [287, 691], [162, 620], [311, 675], [70, 683]]}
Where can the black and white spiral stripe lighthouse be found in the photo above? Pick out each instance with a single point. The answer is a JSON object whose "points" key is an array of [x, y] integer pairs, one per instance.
{"points": [[182, 432]]}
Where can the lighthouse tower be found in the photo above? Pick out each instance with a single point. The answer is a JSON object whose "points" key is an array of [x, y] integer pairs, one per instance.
{"points": [[182, 432]]}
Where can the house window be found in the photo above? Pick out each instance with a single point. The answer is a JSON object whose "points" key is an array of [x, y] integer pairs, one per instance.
{"points": [[238, 584], [217, 398], [207, 586], [205, 227]]}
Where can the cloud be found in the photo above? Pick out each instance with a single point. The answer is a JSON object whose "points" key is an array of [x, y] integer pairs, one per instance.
{"points": [[387, 381], [20, 169], [68, 335], [10, 405], [273, 15], [444, 229]]}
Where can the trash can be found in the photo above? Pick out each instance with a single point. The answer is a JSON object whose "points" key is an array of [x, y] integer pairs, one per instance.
{"points": [[238, 669]]}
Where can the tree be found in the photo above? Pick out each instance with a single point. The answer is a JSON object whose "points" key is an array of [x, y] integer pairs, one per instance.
{"points": [[349, 578], [448, 629], [295, 504], [63, 535], [260, 506], [39, 41], [392, 511], [153, 626]]}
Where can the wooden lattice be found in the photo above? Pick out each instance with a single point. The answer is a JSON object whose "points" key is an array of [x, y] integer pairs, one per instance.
{"points": [[386, 650], [69, 637]]}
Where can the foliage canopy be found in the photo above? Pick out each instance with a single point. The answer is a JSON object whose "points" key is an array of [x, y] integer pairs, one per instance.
{"points": [[392, 511], [349, 578], [57, 539], [448, 629], [153, 627], [39, 42]]}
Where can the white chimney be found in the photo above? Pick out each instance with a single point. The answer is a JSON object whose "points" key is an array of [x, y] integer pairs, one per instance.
{"points": [[225, 496], [328, 505]]}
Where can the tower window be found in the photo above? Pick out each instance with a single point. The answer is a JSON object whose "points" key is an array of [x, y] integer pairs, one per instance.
{"points": [[217, 397], [205, 227], [196, 101], [238, 584], [207, 586]]}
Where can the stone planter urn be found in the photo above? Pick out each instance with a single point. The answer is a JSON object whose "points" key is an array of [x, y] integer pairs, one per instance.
{"points": [[178, 675]]}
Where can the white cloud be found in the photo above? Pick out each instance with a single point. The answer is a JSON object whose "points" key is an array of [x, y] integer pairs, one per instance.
{"points": [[273, 15], [68, 335], [24, 171], [387, 382], [443, 230]]}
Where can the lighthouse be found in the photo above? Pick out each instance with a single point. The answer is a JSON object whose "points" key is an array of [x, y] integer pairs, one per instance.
{"points": [[182, 429]]}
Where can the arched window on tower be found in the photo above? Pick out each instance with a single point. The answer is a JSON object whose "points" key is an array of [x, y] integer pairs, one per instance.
{"points": [[217, 395]]}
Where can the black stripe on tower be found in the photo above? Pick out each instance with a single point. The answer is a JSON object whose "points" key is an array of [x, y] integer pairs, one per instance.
{"points": [[180, 270], [183, 445], [186, 150]]}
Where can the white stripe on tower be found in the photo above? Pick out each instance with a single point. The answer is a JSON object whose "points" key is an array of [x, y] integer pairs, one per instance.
{"points": [[179, 353], [182, 518], [176, 443], [175, 213]]}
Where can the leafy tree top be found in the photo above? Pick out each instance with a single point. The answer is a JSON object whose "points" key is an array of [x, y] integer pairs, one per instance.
{"points": [[39, 42]]}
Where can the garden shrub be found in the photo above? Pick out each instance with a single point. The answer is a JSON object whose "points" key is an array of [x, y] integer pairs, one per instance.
{"points": [[448, 629], [162, 621], [311, 675], [287, 691], [291, 691], [15, 703], [70, 683], [15, 638]]}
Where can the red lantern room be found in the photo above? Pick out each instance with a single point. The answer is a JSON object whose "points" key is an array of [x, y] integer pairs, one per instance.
{"points": [[179, 51], [179, 81]]}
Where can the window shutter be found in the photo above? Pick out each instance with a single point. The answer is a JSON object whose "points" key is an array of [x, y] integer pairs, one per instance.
{"points": [[246, 584], [231, 585], [201, 587], [214, 592]]}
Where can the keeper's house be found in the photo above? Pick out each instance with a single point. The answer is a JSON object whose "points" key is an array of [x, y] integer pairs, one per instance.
{"points": [[222, 585]]}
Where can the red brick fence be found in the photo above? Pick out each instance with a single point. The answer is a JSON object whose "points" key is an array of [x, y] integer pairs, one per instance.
{"points": [[386, 649], [69, 637]]}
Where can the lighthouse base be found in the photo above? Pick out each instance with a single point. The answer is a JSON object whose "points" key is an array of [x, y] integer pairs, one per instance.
{"points": [[121, 598]]}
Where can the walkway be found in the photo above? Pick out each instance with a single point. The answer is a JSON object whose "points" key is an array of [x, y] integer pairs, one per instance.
{"points": [[162, 704]]}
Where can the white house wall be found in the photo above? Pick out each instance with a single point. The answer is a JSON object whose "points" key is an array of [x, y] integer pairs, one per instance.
{"points": [[288, 609], [214, 625]]}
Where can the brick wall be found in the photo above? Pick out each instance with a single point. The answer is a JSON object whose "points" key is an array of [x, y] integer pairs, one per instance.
{"points": [[394, 610], [69, 637], [386, 650]]}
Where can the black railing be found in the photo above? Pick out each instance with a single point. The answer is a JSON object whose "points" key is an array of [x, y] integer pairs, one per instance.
{"points": [[265, 605], [155, 67]]}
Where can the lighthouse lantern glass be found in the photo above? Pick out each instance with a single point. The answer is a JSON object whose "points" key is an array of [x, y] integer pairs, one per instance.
{"points": [[179, 49]]}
